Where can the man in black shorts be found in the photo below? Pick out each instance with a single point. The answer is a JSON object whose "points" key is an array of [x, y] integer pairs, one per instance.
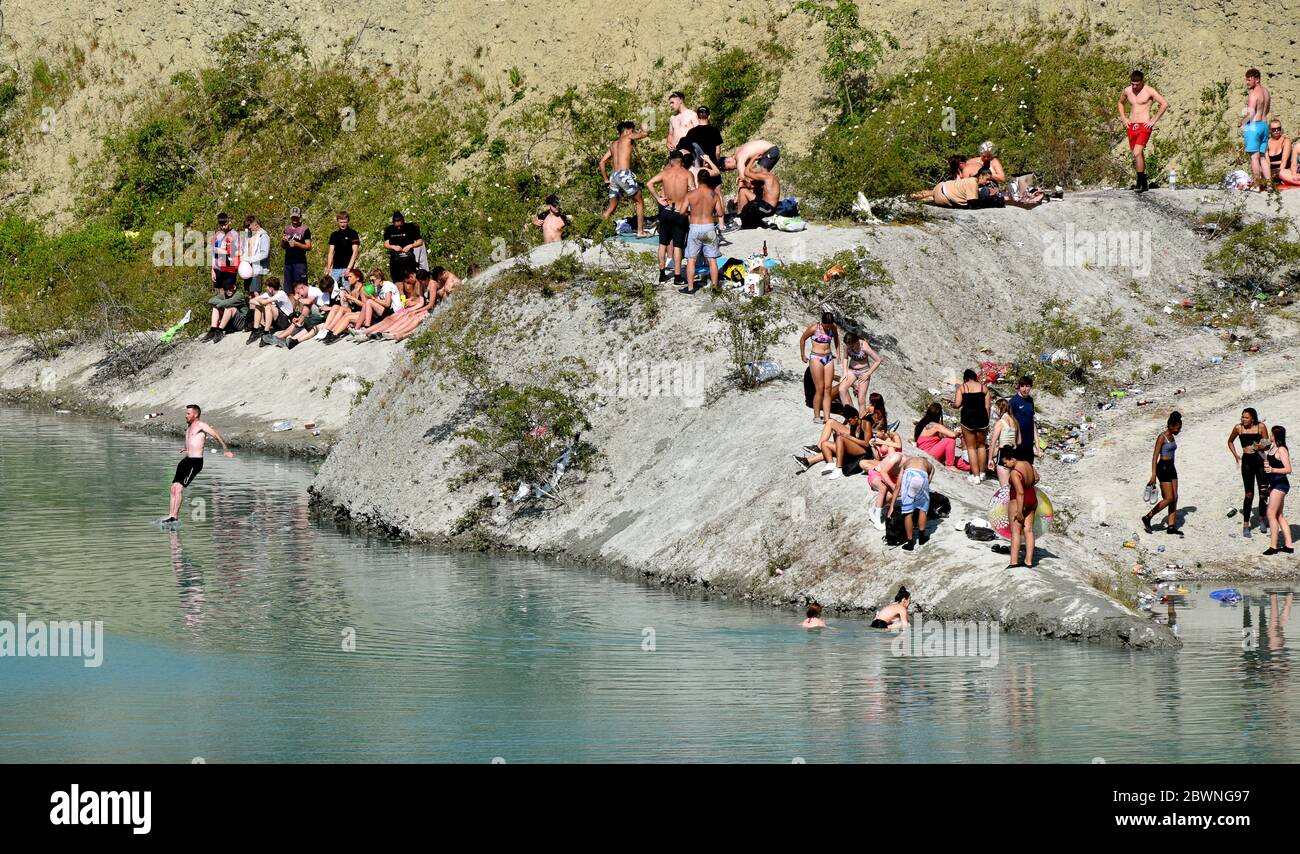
{"points": [[196, 436], [673, 224]]}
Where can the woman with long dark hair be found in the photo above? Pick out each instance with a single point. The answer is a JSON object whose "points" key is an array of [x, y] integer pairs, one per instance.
{"points": [[973, 401], [1277, 465], [821, 362], [1251, 433], [935, 438], [1163, 470]]}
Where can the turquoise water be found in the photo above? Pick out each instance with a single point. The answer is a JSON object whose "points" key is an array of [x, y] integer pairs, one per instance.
{"points": [[224, 640]]}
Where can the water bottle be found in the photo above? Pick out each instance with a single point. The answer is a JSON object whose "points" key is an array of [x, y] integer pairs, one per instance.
{"points": [[1173, 180]]}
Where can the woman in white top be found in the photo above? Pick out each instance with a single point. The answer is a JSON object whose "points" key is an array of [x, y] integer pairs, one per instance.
{"points": [[1003, 440]]}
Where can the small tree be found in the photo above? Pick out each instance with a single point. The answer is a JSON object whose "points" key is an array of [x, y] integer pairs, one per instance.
{"points": [[852, 51], [753, 326]]}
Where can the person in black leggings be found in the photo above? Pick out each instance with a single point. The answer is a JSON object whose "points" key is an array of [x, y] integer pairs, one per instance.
{"points": [[1162, 470], [1250, 432]]}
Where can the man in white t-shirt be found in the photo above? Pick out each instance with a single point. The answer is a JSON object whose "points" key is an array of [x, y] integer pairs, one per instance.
{"points": [[272, 310], [307, 302]]}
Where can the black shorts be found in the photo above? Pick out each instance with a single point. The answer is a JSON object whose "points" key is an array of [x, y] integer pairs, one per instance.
{"points": [[225, 279], [281, 322], [188, 469], [1165, 471], [770, 158], [387, 313], [673, 228], [879, 624]]}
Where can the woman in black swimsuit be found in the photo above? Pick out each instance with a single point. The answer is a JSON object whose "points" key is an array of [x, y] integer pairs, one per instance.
{"points": [[1163, 470], [973, 401], [1250, 432]]}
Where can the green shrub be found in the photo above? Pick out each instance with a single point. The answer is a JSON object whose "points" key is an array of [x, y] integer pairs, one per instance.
{"points": [[739, 86], [1060, 350], [806, 289], [1263, 255], [852, 52], [752, 327]]}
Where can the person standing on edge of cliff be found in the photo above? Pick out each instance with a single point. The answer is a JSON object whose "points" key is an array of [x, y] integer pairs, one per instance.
{"points": [[622, 181], [680, 119], [344, 247], [1139, 122], [225, 255], [1254, 129], [196, 436], [296, 243], [257, 249]]}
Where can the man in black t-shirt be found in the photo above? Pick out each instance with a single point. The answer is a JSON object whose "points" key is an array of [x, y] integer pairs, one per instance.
{"points": [[401, 240], [704, 138], [344, 248], [296, 242]]}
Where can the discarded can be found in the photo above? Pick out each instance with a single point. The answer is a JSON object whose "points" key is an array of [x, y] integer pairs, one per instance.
{"points": [[1129, 544]]}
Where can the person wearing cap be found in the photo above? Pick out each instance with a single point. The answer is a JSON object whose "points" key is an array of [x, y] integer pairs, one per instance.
{"points": [[225, 254], [401, 239], [703, 139], [344, 247], [552, 221], [296, 244], [985, 161]]}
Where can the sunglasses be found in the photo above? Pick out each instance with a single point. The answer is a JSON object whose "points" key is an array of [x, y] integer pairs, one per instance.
{"points": [[1274, 130]]}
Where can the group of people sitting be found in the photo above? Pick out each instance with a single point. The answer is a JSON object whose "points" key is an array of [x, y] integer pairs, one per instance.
{"points": [[346, 302], [976, 182], [993, 437]]}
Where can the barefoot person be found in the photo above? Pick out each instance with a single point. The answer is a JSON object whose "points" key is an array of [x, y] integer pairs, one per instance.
{"points": [[1139, 121], [1163, 470], [1251, 433], [860, 362], [680, 120], [622, 181], [758, 195], [676, 183], [196, 436], [984, 162], [1254, 128], [1277, 465], [821, 362], [1278, 150], [1021, 479], [973, 401], [703, 213]]}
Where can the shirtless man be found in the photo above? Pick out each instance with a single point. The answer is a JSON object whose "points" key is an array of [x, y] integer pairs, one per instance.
{"points": [[196, 436], [756, 152], [757, 199], [676, 181], [1139, 121], [914, 495], [681, 119], [552, 221], [1254, 129], [704, 209], [622, 182]]}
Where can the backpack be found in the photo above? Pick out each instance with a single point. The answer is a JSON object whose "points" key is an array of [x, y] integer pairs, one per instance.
{"points": [[940, 506], [787, 207], [895, 532], [980, 533]]}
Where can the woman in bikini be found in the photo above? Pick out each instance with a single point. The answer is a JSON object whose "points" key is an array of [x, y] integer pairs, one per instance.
{"points": [[894, 616], [1006, 431], [837, 440], [821, 362], [973, 401], [860, 362], [1251, 433], [1163, 470], [348, 310], [1021, 478], [935, 438], [1279, 152], [1277, 465], [883, 478]]}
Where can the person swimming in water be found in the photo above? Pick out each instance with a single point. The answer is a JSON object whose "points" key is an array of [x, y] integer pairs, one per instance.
{"points": [[196, 436], [814, 620], [1277, 465], [1252, 433], [1163, 470], [894, 616]]}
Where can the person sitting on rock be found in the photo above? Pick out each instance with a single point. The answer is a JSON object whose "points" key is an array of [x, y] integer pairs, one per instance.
{"points": [[984, 163]]}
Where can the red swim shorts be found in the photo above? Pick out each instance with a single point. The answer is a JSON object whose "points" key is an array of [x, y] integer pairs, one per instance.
{"points": [[1138, 134]]}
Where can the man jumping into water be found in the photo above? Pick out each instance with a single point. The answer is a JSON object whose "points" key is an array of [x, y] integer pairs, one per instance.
{"points": [[1139, 121], [196, 436]]}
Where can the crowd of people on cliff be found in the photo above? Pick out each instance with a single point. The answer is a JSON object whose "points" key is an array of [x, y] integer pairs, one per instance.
{"points": [[345, 301]]}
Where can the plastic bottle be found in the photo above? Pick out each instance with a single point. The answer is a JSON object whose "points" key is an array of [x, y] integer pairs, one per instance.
{"points": [[281, 426], [1173, 180]]}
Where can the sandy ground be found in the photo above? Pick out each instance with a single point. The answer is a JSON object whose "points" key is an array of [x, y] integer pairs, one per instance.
{"points": [[130, 47]]}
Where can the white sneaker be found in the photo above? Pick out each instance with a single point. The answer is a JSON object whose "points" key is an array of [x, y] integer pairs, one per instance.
{"points": [[323, 332], [834, 473], [875, 518]]}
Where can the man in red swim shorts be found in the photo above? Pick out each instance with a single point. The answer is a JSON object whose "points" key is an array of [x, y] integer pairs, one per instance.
{"points": [[1139, 122]]}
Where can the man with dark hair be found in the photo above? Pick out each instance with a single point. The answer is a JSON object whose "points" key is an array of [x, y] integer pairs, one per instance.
{"points": [[196, 436], [676, 183], [225, 254], [296, 242], [702, 140], [704, 212], [401, 239], [1139, 121], [622, 181], [1254, 129], [1022, 409], [229, 310], [344, 248]]}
